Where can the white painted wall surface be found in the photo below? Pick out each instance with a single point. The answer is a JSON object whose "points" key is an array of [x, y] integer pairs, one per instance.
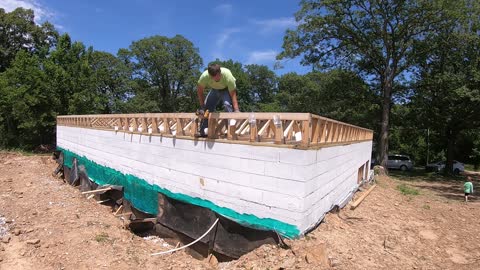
{"points": [[293, 186]]}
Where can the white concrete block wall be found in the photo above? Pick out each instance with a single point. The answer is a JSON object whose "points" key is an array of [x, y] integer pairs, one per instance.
{"points": [[289, 185]]}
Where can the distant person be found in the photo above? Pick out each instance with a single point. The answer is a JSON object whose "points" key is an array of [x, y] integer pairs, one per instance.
{"points": [[468, 187], [222, 87]]}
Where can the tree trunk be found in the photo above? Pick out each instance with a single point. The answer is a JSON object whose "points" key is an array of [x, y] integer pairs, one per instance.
{"points": [[451, 138], [383, 138]]}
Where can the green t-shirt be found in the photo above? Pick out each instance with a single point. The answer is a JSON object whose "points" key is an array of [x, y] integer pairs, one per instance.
{"points": [[468, 187], [226, 80]]}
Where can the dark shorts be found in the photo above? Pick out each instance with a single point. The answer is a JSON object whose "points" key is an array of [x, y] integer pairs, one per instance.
{"points": [[466, 194]]}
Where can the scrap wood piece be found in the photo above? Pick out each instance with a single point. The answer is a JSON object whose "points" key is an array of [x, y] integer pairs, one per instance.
{"points": [[124, 214], [97, 190], [357, 202], [144, 220], [118, 210], [100, 202]]}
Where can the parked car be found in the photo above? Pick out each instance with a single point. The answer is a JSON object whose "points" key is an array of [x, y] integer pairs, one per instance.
{"points": [[439, 166], [401, 162]]}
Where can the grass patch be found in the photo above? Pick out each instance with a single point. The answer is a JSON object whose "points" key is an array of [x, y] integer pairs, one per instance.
{"points": [[103, 237], [420, 174], [470, 167], [426, 207], [407, 190]]}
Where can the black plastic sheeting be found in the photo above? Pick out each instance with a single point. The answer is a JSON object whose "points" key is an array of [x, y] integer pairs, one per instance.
{"points": [[228, 238]]}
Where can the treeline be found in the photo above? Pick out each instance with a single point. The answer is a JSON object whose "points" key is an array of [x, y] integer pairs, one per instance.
{"points": [[44, 74]]}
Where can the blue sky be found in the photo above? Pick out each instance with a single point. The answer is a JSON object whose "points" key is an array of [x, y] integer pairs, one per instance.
{"points": [[250, 32]]}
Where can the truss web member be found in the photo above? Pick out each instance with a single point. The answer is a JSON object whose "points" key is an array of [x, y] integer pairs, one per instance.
{"points": [[223, 89]]}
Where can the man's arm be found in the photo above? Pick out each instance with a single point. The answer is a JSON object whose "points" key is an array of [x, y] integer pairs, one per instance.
{"points": [[200, 95], [233, 95]]}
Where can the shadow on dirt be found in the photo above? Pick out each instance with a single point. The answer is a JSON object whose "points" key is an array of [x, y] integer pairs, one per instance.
{"points": [[446, 186]]}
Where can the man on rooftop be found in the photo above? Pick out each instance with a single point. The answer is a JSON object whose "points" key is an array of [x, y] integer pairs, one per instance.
{"points": [[222, 87]]}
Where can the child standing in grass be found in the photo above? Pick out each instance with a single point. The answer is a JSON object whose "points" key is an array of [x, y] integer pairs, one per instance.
{"points": [[468, 187]]}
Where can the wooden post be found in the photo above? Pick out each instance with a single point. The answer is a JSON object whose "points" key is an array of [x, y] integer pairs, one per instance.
{"points": [[306, 128], [322, 131], [279, 138], [144, 125], [154, 125], [212, 125], [166, 126], [253, 131], [231, 134], [339, 131], [180, 131], [316, 127]]}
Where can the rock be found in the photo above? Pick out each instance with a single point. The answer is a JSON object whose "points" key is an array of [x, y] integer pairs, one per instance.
{"points": [[333, 262], [2, 248], [6, 239], [29, 230], [17, 232], [428, 235], [379, 170], [317, 254], [284, 253], [33, 241], [212, 260], [288, 263]]}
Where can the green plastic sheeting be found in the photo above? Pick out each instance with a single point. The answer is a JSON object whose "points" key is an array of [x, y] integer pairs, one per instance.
{"points": [[144, 196]]}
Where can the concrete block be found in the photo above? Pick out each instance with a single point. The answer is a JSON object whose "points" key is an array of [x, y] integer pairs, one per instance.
{"points": [[297, 157], [283, 201], [290, 187], [286, 171]]}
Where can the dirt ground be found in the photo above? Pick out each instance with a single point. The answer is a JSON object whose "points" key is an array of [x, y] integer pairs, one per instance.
{"points": [[47, 224]]}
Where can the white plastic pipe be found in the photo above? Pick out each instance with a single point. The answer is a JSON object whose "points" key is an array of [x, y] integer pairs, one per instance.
{"points": [[198, 239]]}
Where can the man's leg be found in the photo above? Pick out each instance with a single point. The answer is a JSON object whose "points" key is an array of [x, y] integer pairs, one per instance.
{"points": [[211, 101], [227, 101]]}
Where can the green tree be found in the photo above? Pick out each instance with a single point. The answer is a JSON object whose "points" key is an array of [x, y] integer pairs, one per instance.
{"points": [[70, 75], [374, 38], [18, 31], [165, 70], [447, 95], [110, 82], [27, 104], [263, 83], [337, 94]]}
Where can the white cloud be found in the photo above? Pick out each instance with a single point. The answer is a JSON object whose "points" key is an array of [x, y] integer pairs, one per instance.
{"points": [[274, 25], [41, 12], [225, 36], [257, 57], [223, 9]]}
